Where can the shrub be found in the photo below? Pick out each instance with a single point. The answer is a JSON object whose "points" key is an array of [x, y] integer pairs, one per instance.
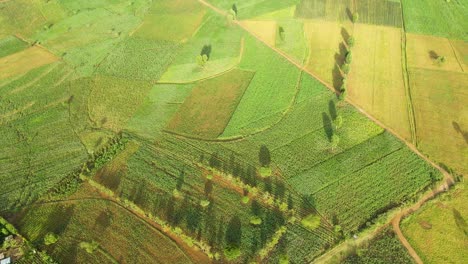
{"points": [[355, 17], [351, 42], [345, 68], [50, 238], [349, 57], [311, 222], [89, 247]]}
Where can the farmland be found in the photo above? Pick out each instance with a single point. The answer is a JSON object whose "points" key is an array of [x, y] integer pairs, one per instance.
{"points": [[442, 217], [212, 131]]}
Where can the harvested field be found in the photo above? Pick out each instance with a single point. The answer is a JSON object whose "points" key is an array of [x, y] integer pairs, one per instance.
{"points": [[24, 61]]}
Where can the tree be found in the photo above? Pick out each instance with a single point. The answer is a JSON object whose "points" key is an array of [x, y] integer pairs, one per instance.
{"points": [[334, 141], [441, 60], [234, 8], [338, 122], [349, 57], [355, 17], [233, 238], [50, 238], [350, 41], [346, 68], [264, 156], [90, 247], [202, 60]]}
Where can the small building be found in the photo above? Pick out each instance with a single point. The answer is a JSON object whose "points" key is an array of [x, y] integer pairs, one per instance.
{"points": [[6, 260]]}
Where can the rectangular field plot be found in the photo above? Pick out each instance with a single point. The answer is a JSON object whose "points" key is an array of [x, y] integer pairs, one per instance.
{"points": [[381, 185], [439, 18], [113, 101], [381, 12], [10, 45], [120, 235], [423, 51], [376, 79], [207, 111], [439, 100], [326, 49], [438, 230], [172, 20], [139, 59], [24, 61], [270, 92]]}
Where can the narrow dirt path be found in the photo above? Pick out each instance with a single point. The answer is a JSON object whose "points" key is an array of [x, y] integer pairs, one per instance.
{"points": [[447, 181]]}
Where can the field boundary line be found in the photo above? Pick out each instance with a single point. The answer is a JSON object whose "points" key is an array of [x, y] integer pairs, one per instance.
{"points": [[406, 82], [456, 56]]}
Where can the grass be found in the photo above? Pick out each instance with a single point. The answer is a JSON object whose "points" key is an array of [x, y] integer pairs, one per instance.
{"points": [[384, 248], [226, 51], [161, 103], [207, 111], [379, 89], [438, 231], [139, 59], [431, 89], [265, 30], [182, 17], [266, 96], [113, 101], [439, 18], [10, 45], [24, 61], [294, 41]]}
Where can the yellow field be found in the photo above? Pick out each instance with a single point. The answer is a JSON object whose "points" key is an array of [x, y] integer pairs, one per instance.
{"points": [[436, 232], [24, 61], [264, 29], [376, 80], [439, 101], [326, 49], [423, 50]]}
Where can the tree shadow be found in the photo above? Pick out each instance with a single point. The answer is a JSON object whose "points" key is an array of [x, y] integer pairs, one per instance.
{"points": [[460, 221], [433, 55], [457, 128], [336, 72], [206, 50], [345, 34], [332, 109], [349, 14], [327, 126], [104, 220]]}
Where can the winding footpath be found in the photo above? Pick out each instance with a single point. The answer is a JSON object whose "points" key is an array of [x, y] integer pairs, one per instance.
{"points": [[447, 180]]}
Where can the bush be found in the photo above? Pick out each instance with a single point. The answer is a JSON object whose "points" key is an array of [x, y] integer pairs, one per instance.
{"points": [[351, 41], [50, 238], [89, 247], [311, 222], [345, 68], [355, 17], [232, 253], [349, 57]]}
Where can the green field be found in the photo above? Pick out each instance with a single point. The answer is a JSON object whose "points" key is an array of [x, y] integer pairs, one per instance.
{"points": [[190, 131], [440, 18]]}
